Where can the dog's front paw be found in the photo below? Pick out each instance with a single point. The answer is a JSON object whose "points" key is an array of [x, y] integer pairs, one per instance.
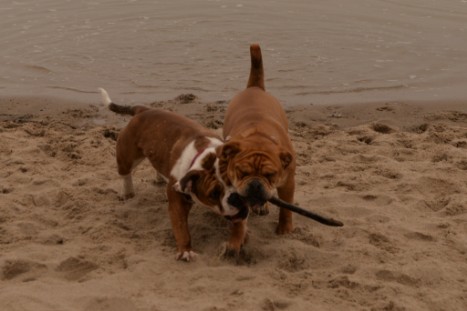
{"points": [[285, 224], [236, 255], [186, 256], [228, 250], [284, 228], [126, 196]]}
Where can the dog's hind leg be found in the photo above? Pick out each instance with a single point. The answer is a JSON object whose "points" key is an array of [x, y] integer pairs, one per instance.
{"points": [[128, 157], [128, 189]]}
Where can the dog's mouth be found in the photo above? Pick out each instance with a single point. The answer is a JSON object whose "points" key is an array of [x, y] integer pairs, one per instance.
{"points": [[253, 199], [246, 204], [240, 204], [257, 205], [260, 209], [256, 197]]}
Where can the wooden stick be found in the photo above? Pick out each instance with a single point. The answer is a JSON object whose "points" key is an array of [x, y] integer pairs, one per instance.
{"points": [[303, 212]]}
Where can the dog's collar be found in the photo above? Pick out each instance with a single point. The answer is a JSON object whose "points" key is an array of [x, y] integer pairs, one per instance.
{"points": [[213, 143], [196, 157]]}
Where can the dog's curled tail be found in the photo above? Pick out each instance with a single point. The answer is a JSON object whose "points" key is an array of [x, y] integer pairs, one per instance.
{"points": [[256, 71], [131, 110]]}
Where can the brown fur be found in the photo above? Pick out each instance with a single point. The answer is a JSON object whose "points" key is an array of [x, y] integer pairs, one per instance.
{"points": [[161, 137], [259, 151]]}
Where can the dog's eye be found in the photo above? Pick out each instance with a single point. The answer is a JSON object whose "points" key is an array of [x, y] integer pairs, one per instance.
{"points": [[270, 175], [215, 194], [241, 174]]}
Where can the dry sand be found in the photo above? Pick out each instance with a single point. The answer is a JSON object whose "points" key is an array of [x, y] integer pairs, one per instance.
{"points": [[394, 173]]}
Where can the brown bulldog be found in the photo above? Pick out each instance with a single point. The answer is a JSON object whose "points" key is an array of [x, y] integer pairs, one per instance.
{"points": [[183, 154], [258, 157]]}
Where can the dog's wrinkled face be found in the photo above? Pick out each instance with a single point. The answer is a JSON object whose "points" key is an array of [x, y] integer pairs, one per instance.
{"points": [[206, 190], [252, 171]]}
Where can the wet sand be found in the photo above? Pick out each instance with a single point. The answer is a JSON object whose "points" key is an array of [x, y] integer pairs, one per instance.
{"points": [[394, 173]]}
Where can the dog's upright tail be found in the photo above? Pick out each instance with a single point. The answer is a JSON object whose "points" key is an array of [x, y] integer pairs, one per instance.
{"points": [[131, 110], [256, 71]]}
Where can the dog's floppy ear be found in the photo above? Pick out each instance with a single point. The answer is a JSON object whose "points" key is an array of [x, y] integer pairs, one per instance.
{"points": [[286, 158], [228, 150], [185, 185]]}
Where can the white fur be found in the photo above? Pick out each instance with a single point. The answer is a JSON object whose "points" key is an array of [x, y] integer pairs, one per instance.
{"points": [[182, 166], [128, 189], [105, 97], [187, 256], [177, 187], [197, 165], [229, 209]]}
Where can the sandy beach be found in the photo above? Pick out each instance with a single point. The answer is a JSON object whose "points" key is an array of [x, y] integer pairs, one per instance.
{"points": [[375, 93], [394, 173]]}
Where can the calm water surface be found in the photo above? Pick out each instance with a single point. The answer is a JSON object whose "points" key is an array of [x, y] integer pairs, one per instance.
{"points": [[320, 51]]}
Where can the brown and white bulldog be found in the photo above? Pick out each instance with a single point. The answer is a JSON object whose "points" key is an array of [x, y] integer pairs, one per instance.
{"points": [[183, 154], [258, 157]]}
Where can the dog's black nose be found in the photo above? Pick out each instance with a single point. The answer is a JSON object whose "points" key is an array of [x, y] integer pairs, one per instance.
{"points": [[255, 186], [256, 192]]}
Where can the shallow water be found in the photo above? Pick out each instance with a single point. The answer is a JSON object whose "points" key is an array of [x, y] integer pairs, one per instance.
{"points": [[321, 51]]}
